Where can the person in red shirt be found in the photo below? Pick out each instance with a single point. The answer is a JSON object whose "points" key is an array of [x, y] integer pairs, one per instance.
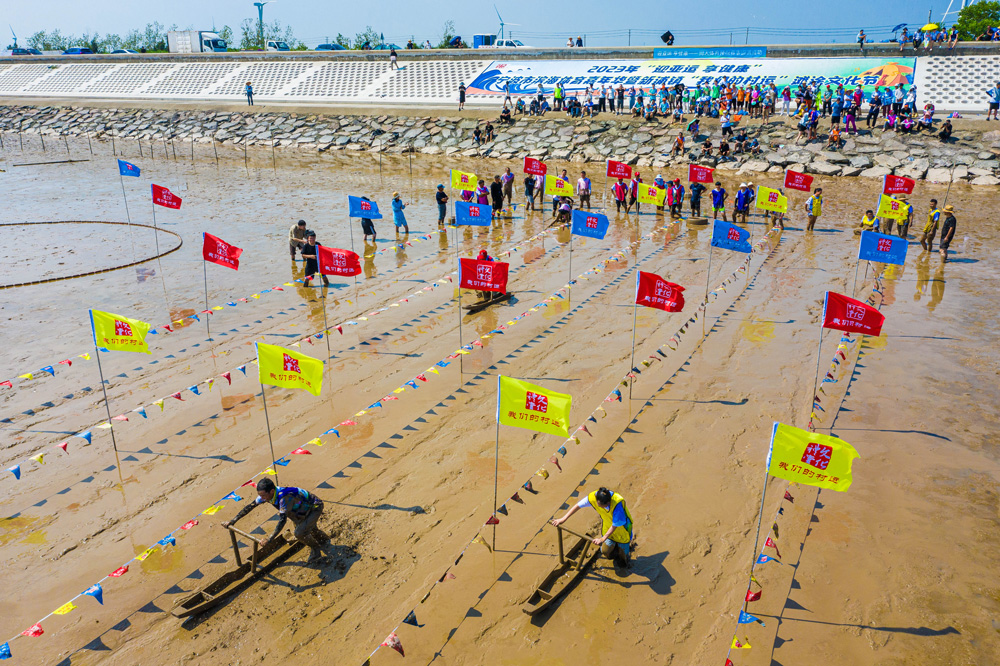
{"points": [[620, 193]]}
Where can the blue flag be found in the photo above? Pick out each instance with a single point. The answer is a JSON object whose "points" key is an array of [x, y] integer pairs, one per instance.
{"points": [[232, 496], [359, 207], [128, 169], [472, 214], [96, 592], [590, 225], [5, 651], [168, 540], [882, 248], [763, 559], [16, 471], [747, 618], [730, 237]]}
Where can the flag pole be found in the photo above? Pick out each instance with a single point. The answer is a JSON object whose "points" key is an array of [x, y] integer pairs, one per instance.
{"points": [[156, 234], [760, 519], [605, 201], [819, 348], [635, 312], [326, 327], [569, 279], [104, 389], [857, 265], [708, 279], [273, 465], [461, 364], [204, 265], [128, 216], [496, 473]]}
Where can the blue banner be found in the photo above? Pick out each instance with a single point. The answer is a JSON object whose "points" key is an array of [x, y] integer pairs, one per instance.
{"points": [[127, 168], [478, 215], [713, 52], [591, 225], [881, 248], [730, 237], [359, 207]]}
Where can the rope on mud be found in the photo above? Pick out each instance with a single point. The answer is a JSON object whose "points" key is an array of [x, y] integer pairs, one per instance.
{"points": [[180, 242]]}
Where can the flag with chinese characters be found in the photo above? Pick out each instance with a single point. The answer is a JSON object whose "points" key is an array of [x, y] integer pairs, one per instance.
{"points": [[650, 194], [843, 313], [534, 166], [524, 405], [730, 237], [463, 181], [654, 292], [128, 169], [482, 275], [117, 333], [334, 261], [363, 208], [810, 458], [798, 181], [555, 186], [278, 366], [472, 214], [771, 199], [892, 208], [220, 252], [897, 185], [164, 197], [618, 170], [882, 248], [589, 225], [700, 174]]}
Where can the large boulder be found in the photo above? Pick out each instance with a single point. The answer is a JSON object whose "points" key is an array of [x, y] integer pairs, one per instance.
{"points": [[832, 157], [985, 180], [755, 166], [887, 161], [875, 172], [938, 176], [823, 168], [850, 171], [861, 161]]}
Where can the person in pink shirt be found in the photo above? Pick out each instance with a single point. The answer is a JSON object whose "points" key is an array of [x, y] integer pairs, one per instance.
{"points": [[483, 194]]}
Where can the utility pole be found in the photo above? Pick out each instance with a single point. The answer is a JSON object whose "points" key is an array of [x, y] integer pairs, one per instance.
{"points": [[630, 36]]}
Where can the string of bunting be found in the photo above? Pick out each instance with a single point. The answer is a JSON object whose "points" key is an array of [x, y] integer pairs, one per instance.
{"points": [[96, 590], [392, 640]]}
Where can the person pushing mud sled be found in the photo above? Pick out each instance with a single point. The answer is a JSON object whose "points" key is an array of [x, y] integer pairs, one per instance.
{"points": [[301, 506]]}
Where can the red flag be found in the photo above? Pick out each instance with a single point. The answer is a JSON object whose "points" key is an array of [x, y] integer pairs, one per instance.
{"points": [[66, 362], [393, 641], [555, 461], [251, 482], [301, 452], [334, 261], [700, 174], [164, 197], [483, 275], [897, 185], [753, 596], [770, 542], [229, 377], [534, 167], [119, 572], [846, 314], [493, 520], [220, 252], [34, 631], [619, 170], [798, 181], [189, 524], [517, 498], [6, 383], [788, 496], [654, 292], [63, 446], [729, 662]]}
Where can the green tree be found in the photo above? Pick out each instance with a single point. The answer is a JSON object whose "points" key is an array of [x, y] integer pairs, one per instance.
{"points": [[226, 35], [111, 42], [369, 36], [974, 19], [343, 41], [248, 35], [447, 34]]}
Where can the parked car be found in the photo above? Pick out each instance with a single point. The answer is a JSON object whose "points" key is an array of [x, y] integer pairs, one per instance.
{"points": [[121, 51], [330, 47], [19, 51], [78, 50], [277, 45]]}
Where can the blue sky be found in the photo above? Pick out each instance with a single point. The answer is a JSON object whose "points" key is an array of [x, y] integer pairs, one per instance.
{"points": [[604, 23]]}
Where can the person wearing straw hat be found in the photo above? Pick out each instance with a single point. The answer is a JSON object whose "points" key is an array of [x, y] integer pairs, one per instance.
{"points": [[947, 230], [303, 507], [398, 218]]}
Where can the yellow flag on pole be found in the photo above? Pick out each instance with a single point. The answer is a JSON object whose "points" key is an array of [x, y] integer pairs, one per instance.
{"points": [[524, 405], [556, 186], [891, 208], [65, 608], [463, 181], [278, 366], [117, 333], [650, 194], [810, 458], [772, 200]]}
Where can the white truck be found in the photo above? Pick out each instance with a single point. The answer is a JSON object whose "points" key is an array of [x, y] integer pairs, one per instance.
{"points": [[195, 41], [277, 45]]}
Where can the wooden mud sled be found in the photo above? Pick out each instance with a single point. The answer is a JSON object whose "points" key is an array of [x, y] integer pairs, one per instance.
{"points": [[262, 560], [573, 563]]}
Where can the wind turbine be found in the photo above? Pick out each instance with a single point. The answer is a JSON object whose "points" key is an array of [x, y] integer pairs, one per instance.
{"points": [[12, 32], [260, 19], [500, 34]]}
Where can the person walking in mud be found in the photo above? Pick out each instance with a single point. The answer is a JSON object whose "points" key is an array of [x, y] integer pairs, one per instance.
{"points": [[296, 237], [301, 506], [311, 254], [616, 524]]}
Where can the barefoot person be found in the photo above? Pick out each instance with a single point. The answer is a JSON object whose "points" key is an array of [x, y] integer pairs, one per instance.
{"points": [[930, 229], [616, 524], [814, 208], [296, 237], [947, 230], [311, 255], [301, 506]]}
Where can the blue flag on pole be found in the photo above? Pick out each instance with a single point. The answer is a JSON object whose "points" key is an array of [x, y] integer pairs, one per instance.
{"points": [[472, 214], [590, 225], [747, 618], [128, 169], [363, 208], [764, 559], [881, 248], [730, 237], [5, 651]]}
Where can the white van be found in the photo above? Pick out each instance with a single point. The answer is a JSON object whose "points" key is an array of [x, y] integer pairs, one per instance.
{"points": [[273, 45]]}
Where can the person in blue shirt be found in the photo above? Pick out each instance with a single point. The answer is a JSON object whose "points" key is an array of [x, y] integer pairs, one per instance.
{"points": [[719, 202], [616, 524], [836, 108], [994, 96], [398, 218], [741, 208], [301, 506]]}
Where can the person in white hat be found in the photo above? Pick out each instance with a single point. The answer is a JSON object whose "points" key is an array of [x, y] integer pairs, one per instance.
{"points": [[741, 207]]}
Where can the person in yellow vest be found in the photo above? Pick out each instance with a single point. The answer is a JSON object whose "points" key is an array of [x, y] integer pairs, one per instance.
{"points": [[616, 524], [869, 222], [930, 229], [814, 208]]}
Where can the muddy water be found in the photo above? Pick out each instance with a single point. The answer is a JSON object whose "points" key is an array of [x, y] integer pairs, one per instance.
{"points": [[920, 411]]}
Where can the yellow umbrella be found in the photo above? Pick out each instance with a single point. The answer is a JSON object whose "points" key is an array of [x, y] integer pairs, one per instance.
{"points": [[930, 26]]}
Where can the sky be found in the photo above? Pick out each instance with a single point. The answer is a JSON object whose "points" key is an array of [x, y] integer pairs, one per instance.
{"points": [[541, 23]]}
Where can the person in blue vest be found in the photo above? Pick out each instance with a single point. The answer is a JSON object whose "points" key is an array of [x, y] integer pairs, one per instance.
{"points": [[301, 506], [741, 207], [616, 524]]}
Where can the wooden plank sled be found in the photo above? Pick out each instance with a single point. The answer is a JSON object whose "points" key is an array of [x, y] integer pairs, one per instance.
{"points": [[572, 564]]}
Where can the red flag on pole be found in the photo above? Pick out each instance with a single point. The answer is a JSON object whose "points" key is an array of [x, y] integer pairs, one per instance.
{"points": [[897, 185], [535, 167], [700, 174], [482, 275], [164, 197], [654, 292], [334, 261], [618, 170], [798, 181], [753, 596], [220, 252], [846, 314]]}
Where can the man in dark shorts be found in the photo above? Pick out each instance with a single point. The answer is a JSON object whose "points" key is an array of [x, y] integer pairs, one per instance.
{"points": [[442, 203], [301, 506], [947, 231], [496, 194], [697, 189], [311, 254], [461, 96], [367, 226]]}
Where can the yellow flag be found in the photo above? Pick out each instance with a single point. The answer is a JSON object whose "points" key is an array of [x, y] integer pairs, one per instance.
{"points": [[212, 509], [40, 458], [772, 200], [891, 208], [525, 405], [809, 458], [65, 608], [481, 540], [278, 366], [556, 186], [650, 194], [744, 645], [117, 333], [26, 375], [463, 181]]}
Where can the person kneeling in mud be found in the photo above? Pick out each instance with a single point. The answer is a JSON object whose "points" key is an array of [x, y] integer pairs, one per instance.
{"points": [[301, 506], [616, 524]]}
